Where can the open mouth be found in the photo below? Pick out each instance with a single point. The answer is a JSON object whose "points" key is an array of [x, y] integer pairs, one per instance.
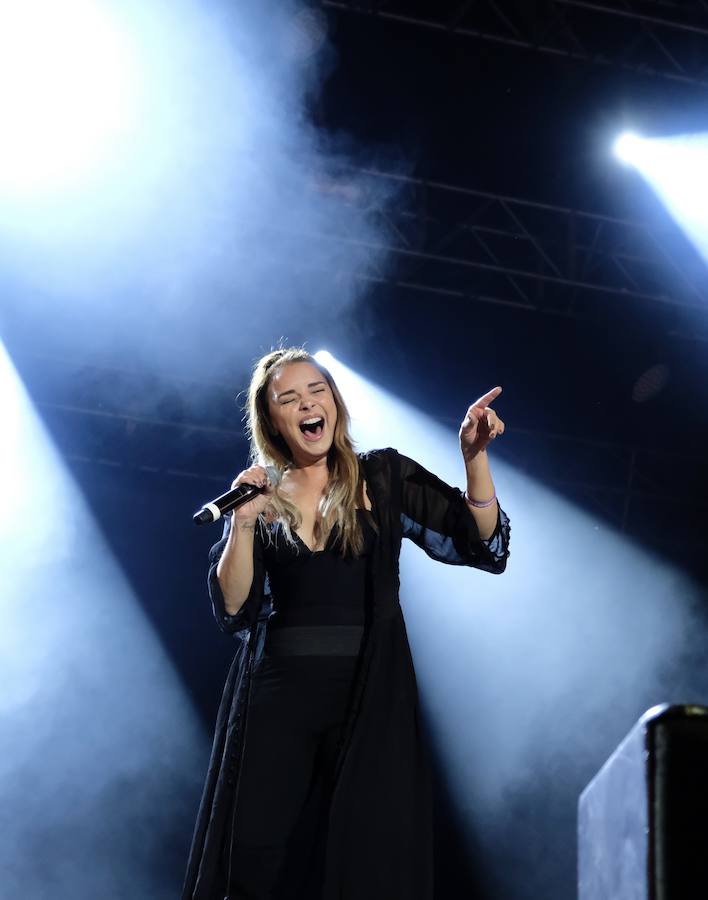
{"points": [[312, 428]]}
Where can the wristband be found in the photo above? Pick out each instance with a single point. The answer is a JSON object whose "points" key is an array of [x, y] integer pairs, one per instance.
{"points": [[477, 504]]}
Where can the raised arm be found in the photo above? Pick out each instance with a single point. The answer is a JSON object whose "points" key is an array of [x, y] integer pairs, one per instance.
{"points": [[436, 516], [479, 428]]}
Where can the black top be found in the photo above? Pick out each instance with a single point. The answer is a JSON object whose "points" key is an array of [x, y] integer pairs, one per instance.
{"points": [[316, 588], [383, 754]]}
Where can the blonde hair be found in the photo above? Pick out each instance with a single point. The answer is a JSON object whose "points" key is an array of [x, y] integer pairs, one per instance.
{"points": [[345, 489]]}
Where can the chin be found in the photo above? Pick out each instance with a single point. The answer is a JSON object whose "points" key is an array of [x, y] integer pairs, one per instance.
{"points": [[320, 449]]}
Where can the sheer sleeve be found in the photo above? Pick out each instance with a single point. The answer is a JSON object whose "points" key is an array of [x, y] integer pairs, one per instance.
{"points": [[435, 516], [251, 608]]}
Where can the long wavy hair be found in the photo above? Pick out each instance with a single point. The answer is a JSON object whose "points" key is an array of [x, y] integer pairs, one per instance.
{"points": [[345, 489]]}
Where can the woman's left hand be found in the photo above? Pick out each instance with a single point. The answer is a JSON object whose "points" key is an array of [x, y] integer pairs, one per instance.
{"points": [[480, 425]]}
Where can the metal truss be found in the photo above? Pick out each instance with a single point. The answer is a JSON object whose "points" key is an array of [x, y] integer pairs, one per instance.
{"points": [[475, 245], [631, 488], [663, 38]]}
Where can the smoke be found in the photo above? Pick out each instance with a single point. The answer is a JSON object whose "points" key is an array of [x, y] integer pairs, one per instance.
{"points": [[101, 753], [532, 679], [529, 680], [220, 219]]}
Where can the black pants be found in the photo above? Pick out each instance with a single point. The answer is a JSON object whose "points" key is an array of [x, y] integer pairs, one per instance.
{"points": [[297, 711]]}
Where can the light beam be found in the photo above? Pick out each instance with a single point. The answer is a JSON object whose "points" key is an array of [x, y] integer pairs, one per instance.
{"points": [[68, 91], [676, 168], [101, 753], [528, 678]]}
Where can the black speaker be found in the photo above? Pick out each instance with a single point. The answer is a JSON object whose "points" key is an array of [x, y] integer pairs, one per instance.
{"points": [[643, 819]]}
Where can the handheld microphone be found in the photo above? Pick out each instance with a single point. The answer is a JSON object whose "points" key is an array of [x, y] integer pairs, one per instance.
{"points": [[242, 493]]}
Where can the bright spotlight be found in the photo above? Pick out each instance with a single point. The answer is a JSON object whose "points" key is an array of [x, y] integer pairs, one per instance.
{"points": [[676, 169], [627, 147], [325, 358], [67, 81]]}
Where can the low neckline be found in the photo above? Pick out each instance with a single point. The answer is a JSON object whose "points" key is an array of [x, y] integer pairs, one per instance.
{"points": [[329, 537], [307, 547]]}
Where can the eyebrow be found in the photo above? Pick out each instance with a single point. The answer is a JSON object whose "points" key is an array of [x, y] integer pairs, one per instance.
{"points": [[293, 391]]}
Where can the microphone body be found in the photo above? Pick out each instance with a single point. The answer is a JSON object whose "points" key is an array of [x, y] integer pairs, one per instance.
{"points": [[242, 493]]}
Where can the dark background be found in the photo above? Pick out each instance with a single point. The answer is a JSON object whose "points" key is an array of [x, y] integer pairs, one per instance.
{"points": [[492, 123]]}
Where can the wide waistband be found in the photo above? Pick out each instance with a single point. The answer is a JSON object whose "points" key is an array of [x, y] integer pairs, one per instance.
{"points": [[314, 640]]}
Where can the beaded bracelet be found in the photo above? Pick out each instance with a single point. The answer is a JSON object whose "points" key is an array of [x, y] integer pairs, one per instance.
{"points": [[477, 504]]}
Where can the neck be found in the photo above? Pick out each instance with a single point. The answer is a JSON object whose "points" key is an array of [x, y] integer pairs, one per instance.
{"points": [[311, 470]]}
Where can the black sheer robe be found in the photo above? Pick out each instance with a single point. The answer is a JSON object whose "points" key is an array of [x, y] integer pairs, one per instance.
{"points": [[379, 838]]}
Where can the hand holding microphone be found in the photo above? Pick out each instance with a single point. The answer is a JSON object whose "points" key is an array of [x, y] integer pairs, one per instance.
{"points": [[249, 495]]}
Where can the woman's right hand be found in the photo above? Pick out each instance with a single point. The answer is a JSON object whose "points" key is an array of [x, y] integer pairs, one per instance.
{"points": [[249, 512]]}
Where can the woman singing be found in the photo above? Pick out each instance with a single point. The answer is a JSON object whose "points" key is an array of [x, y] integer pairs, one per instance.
{"points": [[318, 786]]}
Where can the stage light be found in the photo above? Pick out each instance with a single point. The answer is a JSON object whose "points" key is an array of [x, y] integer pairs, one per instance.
{"points": [[67, 91], [675, 167], [146, 151], [627, 147]]}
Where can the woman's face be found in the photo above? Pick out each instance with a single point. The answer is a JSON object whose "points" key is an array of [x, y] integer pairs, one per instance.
{"points": [[303, 411]]}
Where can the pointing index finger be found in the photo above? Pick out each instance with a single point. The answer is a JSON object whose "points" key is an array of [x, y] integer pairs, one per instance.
{"points": [[488, 398]]}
